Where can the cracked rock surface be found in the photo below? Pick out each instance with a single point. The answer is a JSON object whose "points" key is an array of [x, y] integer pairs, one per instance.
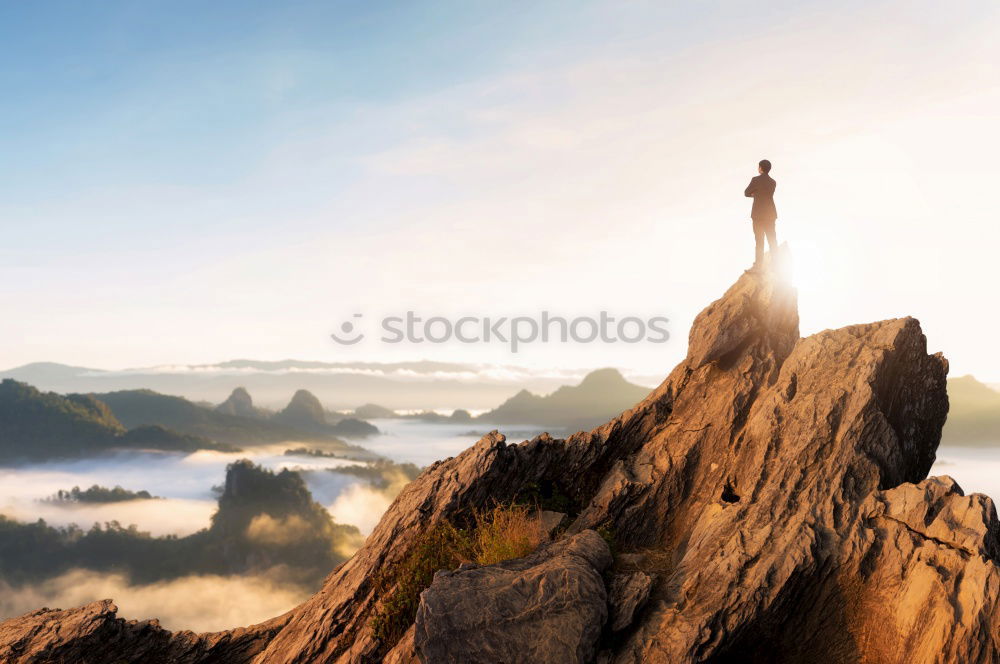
{"points": [[771, 490], [548, 608]]}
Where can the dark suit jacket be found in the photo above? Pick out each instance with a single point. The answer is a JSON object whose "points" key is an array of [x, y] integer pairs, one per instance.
{"points": [[761, 189]]}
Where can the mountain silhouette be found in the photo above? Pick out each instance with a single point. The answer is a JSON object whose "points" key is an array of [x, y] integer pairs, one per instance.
{"points": [[600, 395]]}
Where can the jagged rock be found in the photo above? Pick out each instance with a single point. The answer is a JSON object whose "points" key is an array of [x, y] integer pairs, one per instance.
{"points": [[937, 510], [548, 607], [550, 521], [628, 592], [772, 488], [405, 652], [93, 634]]}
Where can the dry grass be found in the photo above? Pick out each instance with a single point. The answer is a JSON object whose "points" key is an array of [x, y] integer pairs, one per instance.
{"points": [[502, 533], [440, 547], [506, 532]]}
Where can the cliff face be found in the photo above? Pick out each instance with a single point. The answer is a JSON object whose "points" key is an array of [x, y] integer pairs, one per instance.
{"points": [[767, 503]]}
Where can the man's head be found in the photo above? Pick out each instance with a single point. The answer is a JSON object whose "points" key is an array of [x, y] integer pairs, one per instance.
{"points": [[764, 166]]}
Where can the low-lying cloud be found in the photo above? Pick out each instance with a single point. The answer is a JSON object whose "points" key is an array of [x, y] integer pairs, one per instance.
{"points": [[363, 505], [266, 529], [199, 603]]}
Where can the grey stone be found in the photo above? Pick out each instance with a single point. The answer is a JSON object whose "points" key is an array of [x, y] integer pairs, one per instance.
{"points": [[629, 592], [547, 608]]}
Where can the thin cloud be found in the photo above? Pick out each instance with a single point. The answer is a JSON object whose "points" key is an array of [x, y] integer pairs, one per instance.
{"points": [[198, 603]]}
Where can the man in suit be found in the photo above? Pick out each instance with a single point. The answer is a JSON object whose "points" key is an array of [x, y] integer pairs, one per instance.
{"points": [[763, 213]]}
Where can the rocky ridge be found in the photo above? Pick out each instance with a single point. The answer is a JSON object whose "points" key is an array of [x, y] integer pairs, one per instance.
{"points": [[767, 502]]}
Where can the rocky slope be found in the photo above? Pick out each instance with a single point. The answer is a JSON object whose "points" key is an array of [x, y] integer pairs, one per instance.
{"points": [[767, 502]]}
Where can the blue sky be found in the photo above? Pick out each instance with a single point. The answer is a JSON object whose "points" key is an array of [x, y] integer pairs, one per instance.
{"points": [[189, 182]]}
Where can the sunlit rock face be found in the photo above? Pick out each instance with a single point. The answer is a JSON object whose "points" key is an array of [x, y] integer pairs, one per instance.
{"points": [[766, 503]]}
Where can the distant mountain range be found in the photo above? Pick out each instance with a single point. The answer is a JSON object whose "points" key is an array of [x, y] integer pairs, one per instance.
{"points": [[303, 419], [37, 425], [973, 415], [305, 413], [422, 385], [41, 425], [601, 394]]}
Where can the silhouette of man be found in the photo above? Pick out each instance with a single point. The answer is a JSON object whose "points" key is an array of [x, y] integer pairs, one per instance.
{"points": [[763, 213]]}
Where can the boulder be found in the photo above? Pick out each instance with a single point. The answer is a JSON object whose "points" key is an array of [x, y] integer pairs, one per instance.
{"points": [[546, 608]]}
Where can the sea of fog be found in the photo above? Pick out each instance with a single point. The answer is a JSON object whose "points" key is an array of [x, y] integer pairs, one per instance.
{"points": [[185, 482], [976, 469]]}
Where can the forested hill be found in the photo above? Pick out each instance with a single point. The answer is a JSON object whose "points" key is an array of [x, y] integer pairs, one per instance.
{"points": [[42, 425]]}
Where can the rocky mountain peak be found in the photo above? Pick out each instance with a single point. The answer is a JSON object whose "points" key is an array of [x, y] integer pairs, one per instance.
{"points": [[303, 412], [603, 378], [304, 403], [239, 403], [758, 315], [766, 503]]}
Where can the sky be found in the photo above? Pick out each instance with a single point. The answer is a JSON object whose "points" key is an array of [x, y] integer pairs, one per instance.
{"points": [[189, 182]]}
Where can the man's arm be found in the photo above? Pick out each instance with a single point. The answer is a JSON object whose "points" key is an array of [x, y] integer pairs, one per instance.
{"points": [[751, 188]]}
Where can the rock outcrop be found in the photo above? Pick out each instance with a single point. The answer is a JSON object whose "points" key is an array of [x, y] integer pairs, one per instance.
{"points": [[767, 502], [92, 634], [547, 608], [627, 594]]}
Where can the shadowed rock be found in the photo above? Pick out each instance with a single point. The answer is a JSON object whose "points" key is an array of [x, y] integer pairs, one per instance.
{"points": [[627, 594], [92, 634], [772, 490]]}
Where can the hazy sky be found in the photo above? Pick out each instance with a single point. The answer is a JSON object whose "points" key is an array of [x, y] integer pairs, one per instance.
{"points": [[189, 182]]}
